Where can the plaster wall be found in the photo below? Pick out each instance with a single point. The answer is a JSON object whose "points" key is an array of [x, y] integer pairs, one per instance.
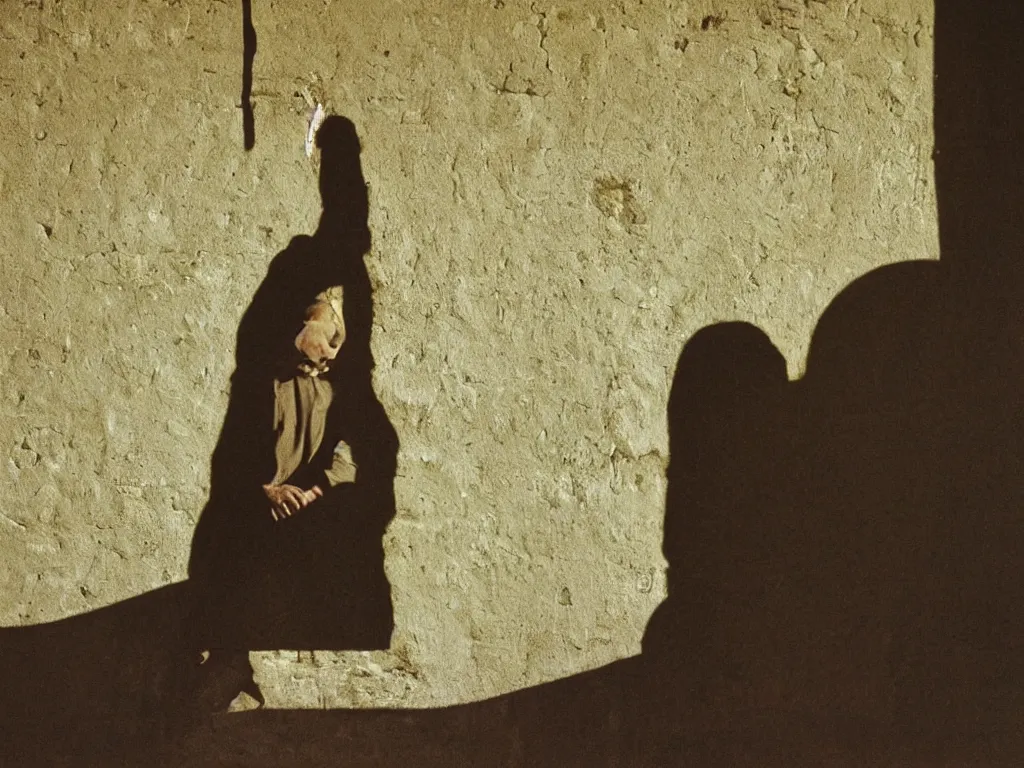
{"points": [[560, 195]]}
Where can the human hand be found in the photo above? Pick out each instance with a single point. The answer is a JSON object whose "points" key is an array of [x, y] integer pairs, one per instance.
{"points": [[286, 500]]}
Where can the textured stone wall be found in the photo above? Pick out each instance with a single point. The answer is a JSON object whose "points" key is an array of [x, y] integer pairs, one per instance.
{"points": [[560, 196]]}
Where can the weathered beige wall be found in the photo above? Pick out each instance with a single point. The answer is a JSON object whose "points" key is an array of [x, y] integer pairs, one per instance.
{"points": [[560, 196]]}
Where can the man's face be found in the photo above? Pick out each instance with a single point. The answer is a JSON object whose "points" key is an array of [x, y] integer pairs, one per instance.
{"points": [[320, 339]]}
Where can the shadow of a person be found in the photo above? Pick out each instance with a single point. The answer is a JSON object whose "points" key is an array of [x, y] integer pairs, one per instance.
{"points": [[841, 549], [725, 414], [315, 579], [913, 468]]}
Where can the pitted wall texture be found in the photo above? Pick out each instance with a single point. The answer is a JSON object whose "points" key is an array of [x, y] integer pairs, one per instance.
{"points": [[560, 196]]}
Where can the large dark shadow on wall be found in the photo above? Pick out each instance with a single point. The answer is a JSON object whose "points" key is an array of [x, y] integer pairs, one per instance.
{"points": [[315, 580]]}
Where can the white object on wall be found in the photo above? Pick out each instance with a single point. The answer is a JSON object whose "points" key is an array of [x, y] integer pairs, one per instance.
{"points": [[315, 121]]}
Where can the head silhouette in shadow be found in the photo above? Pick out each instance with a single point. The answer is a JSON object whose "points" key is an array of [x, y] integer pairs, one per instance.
{"points": [[302, 567], [723, 416]]}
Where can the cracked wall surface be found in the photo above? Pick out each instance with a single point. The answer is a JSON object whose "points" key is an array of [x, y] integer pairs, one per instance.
{"points": [[560, 196]]}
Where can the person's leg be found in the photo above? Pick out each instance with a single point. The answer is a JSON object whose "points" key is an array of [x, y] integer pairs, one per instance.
{"points": [[224, 674], [220, 630]]}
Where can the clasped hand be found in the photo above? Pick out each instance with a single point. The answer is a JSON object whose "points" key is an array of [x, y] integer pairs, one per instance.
{"points": [[286, 500]]}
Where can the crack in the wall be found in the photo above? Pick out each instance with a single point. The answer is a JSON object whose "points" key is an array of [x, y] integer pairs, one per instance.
{"points": [[509, 90], [542, 28]]}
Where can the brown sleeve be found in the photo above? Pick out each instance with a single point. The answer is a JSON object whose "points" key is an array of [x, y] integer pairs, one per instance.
{"points": [[342, 468]]}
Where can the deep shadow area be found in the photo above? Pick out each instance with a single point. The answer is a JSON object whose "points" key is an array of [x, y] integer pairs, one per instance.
{"points": [[844, 550], [95, 689]]}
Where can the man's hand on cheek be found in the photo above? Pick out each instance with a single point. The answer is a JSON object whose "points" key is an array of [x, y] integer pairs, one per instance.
{"points": [[286, 500]]}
